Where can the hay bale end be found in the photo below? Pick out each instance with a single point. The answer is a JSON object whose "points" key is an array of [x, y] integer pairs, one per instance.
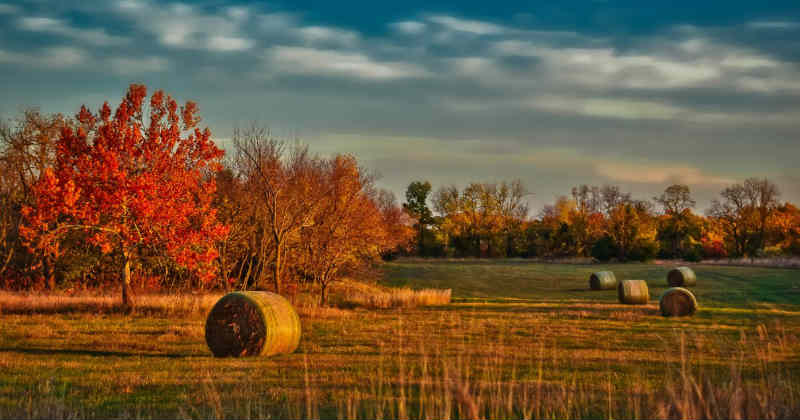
{"points": [[252, 324], [681, 277], [602, 280], [633, 292], [677, 301]]}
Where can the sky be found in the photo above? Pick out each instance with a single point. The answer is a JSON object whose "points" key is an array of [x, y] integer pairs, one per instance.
{"points": [[557, 94]]}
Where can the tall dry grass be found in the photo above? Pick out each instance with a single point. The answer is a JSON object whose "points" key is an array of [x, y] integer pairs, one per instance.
{"points": [[350, 294], [166, 304], [495, 384]]}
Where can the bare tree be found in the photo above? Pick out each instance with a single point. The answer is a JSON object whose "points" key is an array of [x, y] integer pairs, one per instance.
{"points": [[282, 183]]}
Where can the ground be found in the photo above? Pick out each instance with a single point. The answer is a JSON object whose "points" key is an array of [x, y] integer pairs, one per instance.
{"points": [[520, 339]]}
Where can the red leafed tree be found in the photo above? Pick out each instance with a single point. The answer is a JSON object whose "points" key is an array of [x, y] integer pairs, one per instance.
{"points": [[142, 177]]}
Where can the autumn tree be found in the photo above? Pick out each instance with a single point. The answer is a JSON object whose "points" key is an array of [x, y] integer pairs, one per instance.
{"points": [[512, 211], [677, 225], [348, 229], [631, 227], [744, 212], [140, 178], [285, 188], [27, 147]]}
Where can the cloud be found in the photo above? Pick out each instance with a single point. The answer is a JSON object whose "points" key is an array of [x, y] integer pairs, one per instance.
{"points": [[655, 173], [322, 34], [97, 37], [229, 43], [774, 24], [186, 27], [48, 58], [135, 66], [474, 27], [301, 60], [8, 9], [409, 27], [606, 108]]}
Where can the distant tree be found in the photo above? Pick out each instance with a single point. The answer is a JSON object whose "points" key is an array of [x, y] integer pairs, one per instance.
{"points": [[129, 185], [611, 197], [744, 213], [513, 210], [678, 224], [675, 199], [417, 207], [632, 230]]}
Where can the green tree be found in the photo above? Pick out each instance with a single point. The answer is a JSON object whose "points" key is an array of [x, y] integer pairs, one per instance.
{"points": [[416, 206]]}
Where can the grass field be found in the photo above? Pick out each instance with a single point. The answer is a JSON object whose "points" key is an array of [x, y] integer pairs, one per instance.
{"points": [[520, 340]]}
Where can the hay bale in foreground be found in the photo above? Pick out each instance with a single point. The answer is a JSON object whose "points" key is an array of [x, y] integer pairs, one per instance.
{"points": [[677, 301], [633, 292], [602, 280], [681, 277], [252, 324]]}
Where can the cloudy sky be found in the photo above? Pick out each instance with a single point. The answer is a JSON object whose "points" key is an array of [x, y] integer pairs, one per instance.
{"points": [[559, 94]]}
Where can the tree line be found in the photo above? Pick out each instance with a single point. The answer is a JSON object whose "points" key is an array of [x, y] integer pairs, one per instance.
{"points": [[140, 196], [602, 222]]}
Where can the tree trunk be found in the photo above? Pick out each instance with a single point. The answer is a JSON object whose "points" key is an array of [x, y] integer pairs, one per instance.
{"points": [[276, 273], [127, 295], [323, 299], [420, 251], [50, 274]]}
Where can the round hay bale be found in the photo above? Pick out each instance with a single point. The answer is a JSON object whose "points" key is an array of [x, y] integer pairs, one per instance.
{"points": [[677, 301], [602, 280], [633, 292], [681, 277], [252, 324]]}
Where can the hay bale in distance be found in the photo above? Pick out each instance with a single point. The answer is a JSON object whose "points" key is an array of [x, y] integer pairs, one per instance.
{"points": [[252, 324], [633, 292], [602, 280], [677, 301], [681, 277]]}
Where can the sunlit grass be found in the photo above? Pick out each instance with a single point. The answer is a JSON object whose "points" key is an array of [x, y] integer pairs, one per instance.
{"points": [[495, 357]]}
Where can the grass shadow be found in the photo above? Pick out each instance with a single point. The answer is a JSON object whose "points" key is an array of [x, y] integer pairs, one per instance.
{"points": [[95, 353]]}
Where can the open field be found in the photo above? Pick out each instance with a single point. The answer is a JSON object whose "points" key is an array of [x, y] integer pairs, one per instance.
{"points": [[519, 340]]}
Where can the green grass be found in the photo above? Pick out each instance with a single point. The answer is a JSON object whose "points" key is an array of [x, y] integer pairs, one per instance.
{"points": [[717, 285], [520, 340]]}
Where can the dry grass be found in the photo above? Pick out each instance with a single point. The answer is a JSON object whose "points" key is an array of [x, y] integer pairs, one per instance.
{"points": [[351, 294], [172, 304]]}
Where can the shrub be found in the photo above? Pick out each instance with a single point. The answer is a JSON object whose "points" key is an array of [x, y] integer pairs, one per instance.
{"points": [[643, 250], [604, 249], [694, 254]]}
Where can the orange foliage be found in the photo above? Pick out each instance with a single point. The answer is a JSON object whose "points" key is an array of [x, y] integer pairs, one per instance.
{"points": [[128, 185]]}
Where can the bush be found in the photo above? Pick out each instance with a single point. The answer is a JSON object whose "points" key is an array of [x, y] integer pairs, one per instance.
{"points": [[694, 254], [604, 249], [643, 250]]}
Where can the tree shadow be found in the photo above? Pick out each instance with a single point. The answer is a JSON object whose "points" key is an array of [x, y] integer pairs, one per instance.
{"points": [[95, 353]]}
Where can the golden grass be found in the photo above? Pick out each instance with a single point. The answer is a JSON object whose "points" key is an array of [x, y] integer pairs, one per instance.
{"points": [[15, 303], [350, 294], [488, 360]]}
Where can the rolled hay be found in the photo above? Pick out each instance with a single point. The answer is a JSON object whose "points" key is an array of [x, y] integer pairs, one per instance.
{"points": [[681, 277], [677, 301], [602, 280], [633, 292], [252, 324]]}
